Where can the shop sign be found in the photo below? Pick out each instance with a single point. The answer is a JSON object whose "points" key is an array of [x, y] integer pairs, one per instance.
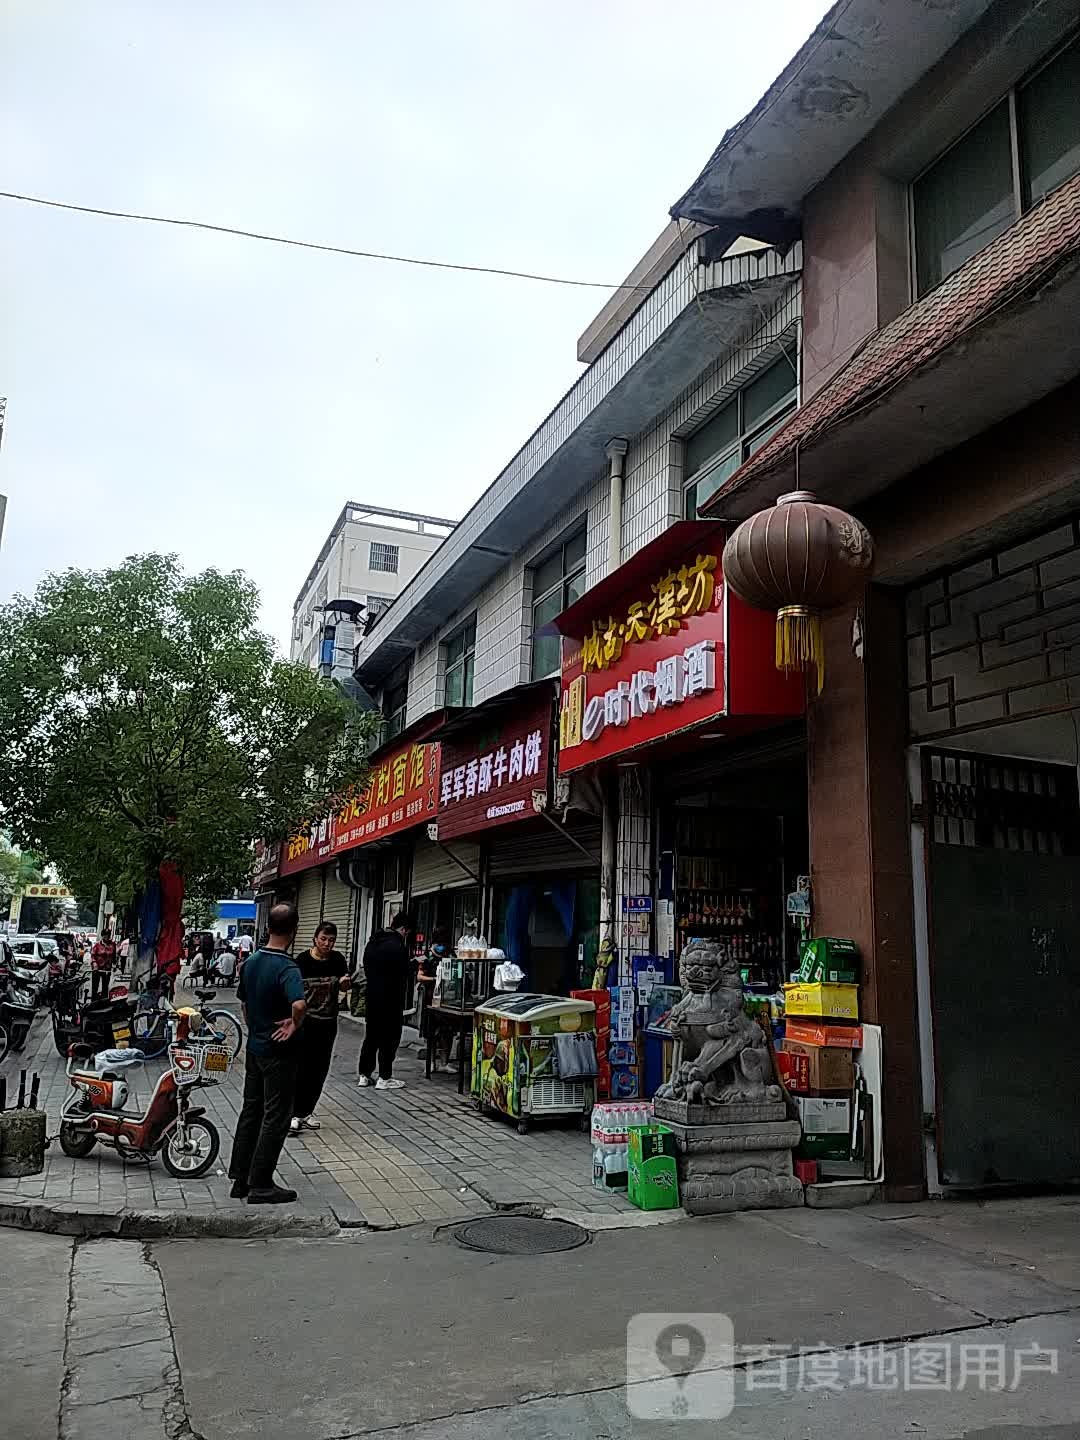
{"points": [[489, 773], [658, 670], [402, 791], [47, 892], [267, 860]]}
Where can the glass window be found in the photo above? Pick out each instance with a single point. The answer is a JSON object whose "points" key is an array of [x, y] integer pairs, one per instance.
{"points": [[716, 451], [965, 200], [383, 557], [395, 704], [460, 663], [1048, 119], [558, 580]]}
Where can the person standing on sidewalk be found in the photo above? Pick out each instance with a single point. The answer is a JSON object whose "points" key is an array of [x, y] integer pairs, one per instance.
{"points": [[271, 995], [102, 957], [326, 976], [387, 968]]}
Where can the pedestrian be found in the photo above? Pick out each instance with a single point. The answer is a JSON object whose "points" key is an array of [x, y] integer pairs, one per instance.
{"points": [[205, 958], [226, 967], [245, 944], [122, 955], [326, 978], [102, 958], [387, 968], [272, 1001]]}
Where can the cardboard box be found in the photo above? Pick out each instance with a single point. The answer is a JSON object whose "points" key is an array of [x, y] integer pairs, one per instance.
{"points": [[818, 1032], [653, 1177], [818, 957], [826, 1067], [794, 1070], [822, 1001]]}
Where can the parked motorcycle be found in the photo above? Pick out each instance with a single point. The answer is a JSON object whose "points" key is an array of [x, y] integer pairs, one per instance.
{"points": [[101, 1024], [18, 1005], [170, 1125]]}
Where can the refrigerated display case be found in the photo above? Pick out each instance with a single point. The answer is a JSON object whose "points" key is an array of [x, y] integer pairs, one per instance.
{"points": [[514, 1069]]}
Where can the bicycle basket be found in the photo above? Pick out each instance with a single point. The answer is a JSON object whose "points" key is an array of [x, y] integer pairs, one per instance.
{"points": [[191, 1063]]}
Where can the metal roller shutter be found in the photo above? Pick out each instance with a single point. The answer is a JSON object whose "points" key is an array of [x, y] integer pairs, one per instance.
{"points": [[434, 869], [339, 906], [309, 905], [541, 849]]}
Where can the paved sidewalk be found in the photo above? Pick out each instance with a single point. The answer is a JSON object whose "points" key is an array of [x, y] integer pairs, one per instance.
{"points": [[382, 1158]]}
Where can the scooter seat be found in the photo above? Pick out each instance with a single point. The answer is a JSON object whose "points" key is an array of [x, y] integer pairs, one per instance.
{"points": [[82, 1051], [204, 994]]}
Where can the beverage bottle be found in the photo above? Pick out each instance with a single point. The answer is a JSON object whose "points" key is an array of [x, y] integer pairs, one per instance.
{"points": [[598, 1166]]}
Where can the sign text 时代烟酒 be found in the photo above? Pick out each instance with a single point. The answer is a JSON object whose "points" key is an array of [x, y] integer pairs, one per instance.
{"points": [[676, 678]]}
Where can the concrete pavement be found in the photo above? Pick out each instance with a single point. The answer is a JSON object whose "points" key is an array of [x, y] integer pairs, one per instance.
{"points": [[407, 1333]]}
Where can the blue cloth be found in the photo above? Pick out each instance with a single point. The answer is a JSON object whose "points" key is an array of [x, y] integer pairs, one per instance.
{"points": [[270, 983]]}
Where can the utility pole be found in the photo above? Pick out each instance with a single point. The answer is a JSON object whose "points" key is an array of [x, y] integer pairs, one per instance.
{"points": [[101, 909]]}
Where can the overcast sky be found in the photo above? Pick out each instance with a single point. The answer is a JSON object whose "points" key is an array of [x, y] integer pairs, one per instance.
{"points": [[223, 398]]}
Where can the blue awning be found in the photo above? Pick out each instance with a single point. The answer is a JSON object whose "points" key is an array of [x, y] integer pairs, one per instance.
{"points": [[236, 909]]}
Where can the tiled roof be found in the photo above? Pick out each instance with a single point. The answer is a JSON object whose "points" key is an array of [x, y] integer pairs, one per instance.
{"points": [[1014, 263]]}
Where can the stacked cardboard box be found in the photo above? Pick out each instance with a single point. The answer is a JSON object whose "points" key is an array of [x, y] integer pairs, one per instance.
{"points": [[817, 1059]]}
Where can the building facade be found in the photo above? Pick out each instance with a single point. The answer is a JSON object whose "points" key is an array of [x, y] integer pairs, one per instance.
{"points": [[368, 558], [871, 292]]}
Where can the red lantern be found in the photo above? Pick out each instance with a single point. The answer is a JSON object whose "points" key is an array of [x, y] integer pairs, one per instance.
{"points": [[800, 558]]}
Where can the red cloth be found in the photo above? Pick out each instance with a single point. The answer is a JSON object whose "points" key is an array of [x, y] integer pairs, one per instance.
{"points": [[170, 943]]}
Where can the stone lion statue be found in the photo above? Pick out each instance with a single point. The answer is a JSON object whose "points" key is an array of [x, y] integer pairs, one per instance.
{"points": [[720, 1053]]}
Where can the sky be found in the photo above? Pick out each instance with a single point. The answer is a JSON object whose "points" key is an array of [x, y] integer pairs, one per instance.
{"points": [[222, 398]]}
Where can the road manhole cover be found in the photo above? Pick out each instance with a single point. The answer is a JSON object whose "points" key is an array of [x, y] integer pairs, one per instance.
{"points": [[519, 1235]]}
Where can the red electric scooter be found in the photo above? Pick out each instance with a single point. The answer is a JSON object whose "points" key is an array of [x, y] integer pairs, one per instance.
{"points": [[170, 1125]]}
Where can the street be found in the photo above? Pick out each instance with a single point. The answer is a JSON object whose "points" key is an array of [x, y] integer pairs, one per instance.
{"points": [[409, 1332]]}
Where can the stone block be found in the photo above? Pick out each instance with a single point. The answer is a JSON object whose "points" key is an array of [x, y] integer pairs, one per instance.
{"points": [[682, 1112], [748, 1190], [743, 1166]]}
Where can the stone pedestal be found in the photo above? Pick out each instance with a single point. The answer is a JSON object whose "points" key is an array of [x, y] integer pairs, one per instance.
{"points": [[22, 1143], [741, 1163]]}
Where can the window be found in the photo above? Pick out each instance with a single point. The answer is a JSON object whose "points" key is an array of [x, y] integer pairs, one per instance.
{"points": [[395, 703], [383, 557], [558, 581], [460, 659], [719, 447], [1024, 148]]}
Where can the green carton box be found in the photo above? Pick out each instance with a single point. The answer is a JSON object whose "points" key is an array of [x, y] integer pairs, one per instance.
{"points": [[828, 959], [653, 1178]]}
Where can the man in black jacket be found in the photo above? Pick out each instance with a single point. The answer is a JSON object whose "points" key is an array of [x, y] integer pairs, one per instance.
{"points": [[386, 967]]}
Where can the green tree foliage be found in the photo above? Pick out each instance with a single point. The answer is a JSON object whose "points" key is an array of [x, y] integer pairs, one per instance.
{"points": [[199, 912], [18, 868], [143, 718]]}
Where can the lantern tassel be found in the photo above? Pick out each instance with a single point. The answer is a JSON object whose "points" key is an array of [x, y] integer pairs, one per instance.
{"points": [[799, 644]]}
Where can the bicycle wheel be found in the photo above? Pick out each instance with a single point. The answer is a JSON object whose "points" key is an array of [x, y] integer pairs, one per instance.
{"points": [[193, 1156], [227, 1029]]}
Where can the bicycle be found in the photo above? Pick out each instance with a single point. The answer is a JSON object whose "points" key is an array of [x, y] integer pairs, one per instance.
{"points": [[153, 1024]]}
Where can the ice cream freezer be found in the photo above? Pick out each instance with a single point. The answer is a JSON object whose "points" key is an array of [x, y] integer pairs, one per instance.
{"points": [[515, 1069]]}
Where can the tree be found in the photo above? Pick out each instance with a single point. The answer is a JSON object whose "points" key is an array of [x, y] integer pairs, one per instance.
{"points": [[199, 912], [144, 718], [18, 868]]}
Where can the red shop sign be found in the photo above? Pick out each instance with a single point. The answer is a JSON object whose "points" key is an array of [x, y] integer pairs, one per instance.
{"points": [[657, 652], [490, 771], [401, 791]]}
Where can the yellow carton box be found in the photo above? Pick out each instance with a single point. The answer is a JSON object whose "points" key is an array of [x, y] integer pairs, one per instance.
{"points": [[824, 1001]]}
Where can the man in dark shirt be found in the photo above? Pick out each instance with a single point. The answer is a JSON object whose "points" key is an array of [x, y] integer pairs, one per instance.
{"points": [[387, 968], [271, 993]]}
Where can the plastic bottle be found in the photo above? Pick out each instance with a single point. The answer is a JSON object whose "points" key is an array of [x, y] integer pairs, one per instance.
{"points": [[598, 1166]]}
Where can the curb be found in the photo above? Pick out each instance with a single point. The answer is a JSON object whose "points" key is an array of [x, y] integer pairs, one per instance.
{"points": [[124, 1224]]}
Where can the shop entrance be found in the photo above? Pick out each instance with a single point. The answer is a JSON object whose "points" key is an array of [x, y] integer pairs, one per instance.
{"points": [[1003, 836], [733, 842]]}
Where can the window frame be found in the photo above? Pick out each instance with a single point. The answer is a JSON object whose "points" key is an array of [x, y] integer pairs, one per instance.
{"points": [[559, 587], [394, 714], [1016, 169], [390, 550], [465, 661], [740, 445]]}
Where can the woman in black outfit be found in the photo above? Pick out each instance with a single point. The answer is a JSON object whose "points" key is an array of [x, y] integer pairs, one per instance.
{"points": [[326, 976]]}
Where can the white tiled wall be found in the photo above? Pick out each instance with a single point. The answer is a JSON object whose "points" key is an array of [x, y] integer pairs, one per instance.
{"points": [[652, 500]]}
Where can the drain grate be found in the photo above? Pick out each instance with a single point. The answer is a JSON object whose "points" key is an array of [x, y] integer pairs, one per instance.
{"points": [[519, 1235]]}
